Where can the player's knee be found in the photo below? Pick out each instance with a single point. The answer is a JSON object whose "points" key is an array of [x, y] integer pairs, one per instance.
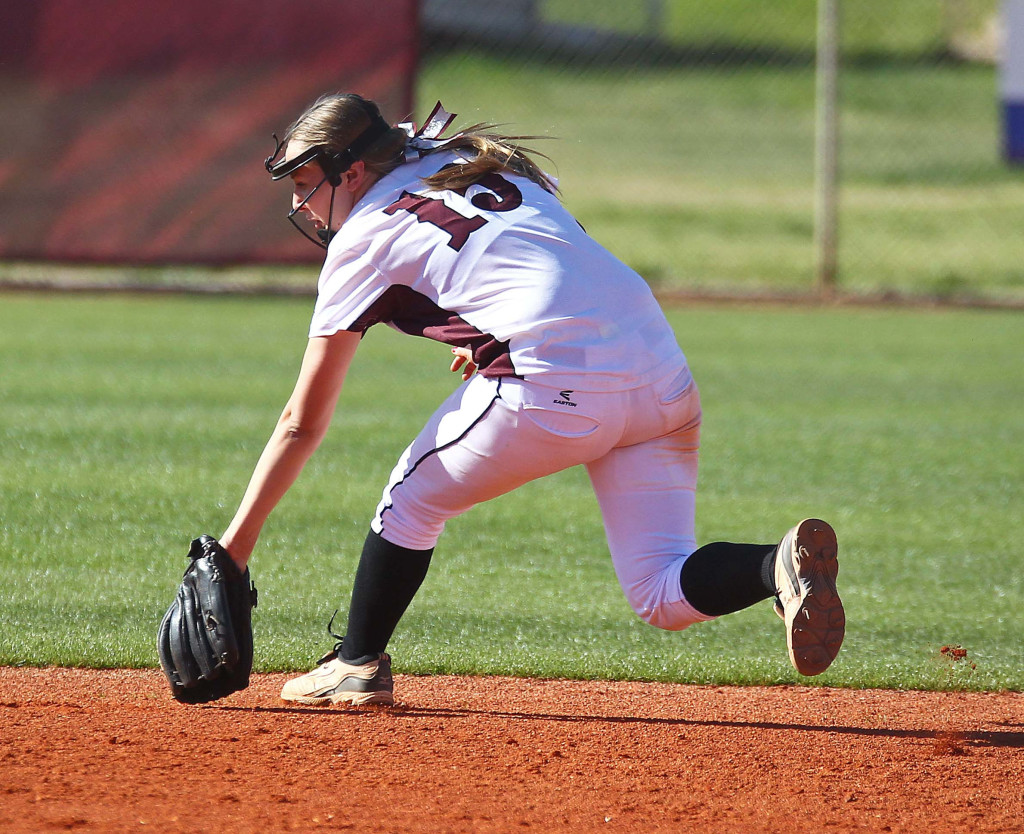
{"points": [[410, 533], [661, 604], [669, 617]]}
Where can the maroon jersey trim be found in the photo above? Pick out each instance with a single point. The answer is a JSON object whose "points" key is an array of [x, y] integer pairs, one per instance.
{"points": [[411, 312]]}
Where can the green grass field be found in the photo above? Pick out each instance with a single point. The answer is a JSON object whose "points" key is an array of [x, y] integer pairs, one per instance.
{"points": [[893, 27], [131, 424]]}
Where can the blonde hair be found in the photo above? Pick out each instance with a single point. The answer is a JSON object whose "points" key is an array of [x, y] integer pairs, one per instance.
{"points": [[334, 121], [489, 153]]}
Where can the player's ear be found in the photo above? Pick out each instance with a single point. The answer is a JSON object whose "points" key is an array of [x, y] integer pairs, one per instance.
{"points": [[355, 177]]}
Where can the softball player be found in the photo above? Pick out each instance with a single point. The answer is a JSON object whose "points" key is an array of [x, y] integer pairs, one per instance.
{"points": [[566, 359]]}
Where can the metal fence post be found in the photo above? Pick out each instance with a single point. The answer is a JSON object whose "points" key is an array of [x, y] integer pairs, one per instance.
{"points": [[826, 151]]}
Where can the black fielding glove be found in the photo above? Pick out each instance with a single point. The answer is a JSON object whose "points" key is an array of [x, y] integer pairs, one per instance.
{"points": [[205, 638]]}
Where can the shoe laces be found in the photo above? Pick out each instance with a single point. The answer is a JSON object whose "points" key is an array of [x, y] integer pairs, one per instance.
{"points": [[339, 638]]}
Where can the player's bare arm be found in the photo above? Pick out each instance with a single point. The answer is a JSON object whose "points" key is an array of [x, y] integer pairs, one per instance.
{"points": [[298, 433]]}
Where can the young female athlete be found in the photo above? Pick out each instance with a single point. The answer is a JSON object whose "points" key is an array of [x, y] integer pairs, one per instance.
{"points": [[465, 241]]}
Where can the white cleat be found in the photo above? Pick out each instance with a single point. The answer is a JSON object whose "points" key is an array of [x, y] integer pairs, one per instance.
{"points": [[806, 598], [334, 682]]}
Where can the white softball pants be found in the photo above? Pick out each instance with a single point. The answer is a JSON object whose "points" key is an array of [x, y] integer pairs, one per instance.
{"points": [[639, 447]]}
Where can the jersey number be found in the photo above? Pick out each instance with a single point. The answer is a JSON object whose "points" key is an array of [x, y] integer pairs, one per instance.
{"points": [[503, 196]]}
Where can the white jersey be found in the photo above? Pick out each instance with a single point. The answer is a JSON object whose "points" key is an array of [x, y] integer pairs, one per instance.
{"points": [[502, 269]]}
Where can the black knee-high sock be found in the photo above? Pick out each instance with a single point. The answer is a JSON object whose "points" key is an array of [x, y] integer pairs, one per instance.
{"points": [[386, 580], [723, 577]]}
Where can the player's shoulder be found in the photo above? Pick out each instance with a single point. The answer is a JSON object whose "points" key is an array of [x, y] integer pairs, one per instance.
{"points": [[415, 170]]}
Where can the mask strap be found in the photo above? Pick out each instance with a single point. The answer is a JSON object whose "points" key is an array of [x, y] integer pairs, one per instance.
{"points": [[323, 235]]}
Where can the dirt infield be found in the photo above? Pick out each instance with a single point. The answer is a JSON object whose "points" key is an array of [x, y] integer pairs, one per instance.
{"points": [[110, 751]]}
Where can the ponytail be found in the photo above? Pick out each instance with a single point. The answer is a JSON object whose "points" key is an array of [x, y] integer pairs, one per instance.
{"points": [[335, 121], [488, 153]]}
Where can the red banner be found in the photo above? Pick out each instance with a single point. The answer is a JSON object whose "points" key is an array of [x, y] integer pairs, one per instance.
{"points": [[135, 132]]}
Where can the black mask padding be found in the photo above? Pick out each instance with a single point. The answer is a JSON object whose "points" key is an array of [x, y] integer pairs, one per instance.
{"points": [[333, 164]]}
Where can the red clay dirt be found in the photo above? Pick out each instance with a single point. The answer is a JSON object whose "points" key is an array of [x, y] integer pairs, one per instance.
{"points": [[106, 751]]}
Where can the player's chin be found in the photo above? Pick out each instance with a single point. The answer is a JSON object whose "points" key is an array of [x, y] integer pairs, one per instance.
{"points": [[314, 221]]}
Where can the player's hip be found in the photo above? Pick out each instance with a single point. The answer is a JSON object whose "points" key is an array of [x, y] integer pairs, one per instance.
{"points": [[608, 418]]}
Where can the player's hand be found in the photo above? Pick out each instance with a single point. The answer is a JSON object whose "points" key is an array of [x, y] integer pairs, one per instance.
{"points": [[463, 359]]}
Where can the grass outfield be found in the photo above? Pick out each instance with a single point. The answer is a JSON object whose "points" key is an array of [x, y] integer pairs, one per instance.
{"points": [[905, 27], [131, 424]]}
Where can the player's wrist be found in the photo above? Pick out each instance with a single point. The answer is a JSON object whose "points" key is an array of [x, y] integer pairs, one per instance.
{"points": [[238, 547]]}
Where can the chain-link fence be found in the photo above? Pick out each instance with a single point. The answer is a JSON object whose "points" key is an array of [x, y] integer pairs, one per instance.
{"points": [[683, 133], [686, 134]]}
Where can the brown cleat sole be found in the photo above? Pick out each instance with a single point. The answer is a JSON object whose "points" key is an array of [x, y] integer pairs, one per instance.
{"points": [[814, 615]]}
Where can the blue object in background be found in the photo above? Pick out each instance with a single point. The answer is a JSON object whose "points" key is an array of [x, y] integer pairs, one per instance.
{"points": [[1013, 131], [1012, 81]]}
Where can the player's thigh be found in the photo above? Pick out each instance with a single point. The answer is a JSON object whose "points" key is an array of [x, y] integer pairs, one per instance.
{"points": [[647, 495], [506, 444]]}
